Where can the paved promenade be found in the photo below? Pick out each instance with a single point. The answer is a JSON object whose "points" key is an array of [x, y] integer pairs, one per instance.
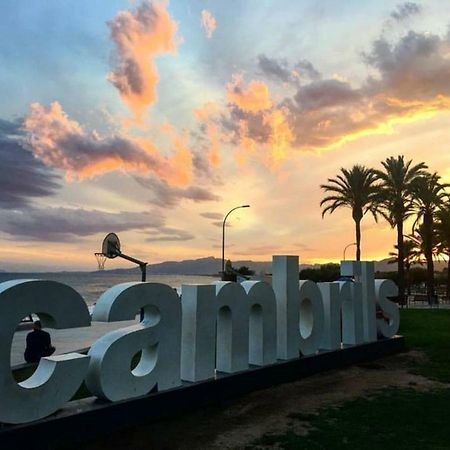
{"points": [[66, 341]]}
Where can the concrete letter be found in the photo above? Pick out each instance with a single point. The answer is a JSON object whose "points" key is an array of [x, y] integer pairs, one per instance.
{"points": [[342, 300], [263, 323], [383, 290], [158, 336], [285, 283], [311, 318], [232, 327], [56, 378], [198, 342], [363, 272]]}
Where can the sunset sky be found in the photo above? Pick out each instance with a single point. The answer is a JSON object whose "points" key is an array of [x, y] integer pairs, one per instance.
{"points": [[153, 119]]}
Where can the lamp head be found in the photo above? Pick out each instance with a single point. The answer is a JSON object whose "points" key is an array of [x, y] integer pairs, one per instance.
{"points": [[245, 206]]}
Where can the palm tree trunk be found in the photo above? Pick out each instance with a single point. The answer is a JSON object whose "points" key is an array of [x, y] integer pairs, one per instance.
{"points": [[358, 239], [400, 262], [448, 277], [408, 279], [428, 225]]}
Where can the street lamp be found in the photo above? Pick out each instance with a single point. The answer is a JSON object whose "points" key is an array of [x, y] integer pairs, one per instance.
{"points": [[347, 246], [223, 235]]}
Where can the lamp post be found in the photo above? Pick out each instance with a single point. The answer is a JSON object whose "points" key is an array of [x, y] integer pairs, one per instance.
{"points": [[223, 235], [347, 246]]}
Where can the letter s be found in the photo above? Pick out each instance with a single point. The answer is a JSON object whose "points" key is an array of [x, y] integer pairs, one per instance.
{"points": [[383, 290]]}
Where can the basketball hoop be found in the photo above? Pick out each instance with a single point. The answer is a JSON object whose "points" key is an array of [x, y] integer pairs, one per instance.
{"points": [[111, 246], [111, 249], [101, 259]]}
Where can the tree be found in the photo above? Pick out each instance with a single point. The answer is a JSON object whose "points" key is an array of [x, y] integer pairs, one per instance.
{"points": [[395, 198], [411, 255], [246, 271], [326, 272], [442, 233], [355, 189], [428, 195]]}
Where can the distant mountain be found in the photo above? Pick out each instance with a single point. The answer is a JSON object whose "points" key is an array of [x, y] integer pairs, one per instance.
{"points": [[206, 266], [201, 266], [212, 266]]}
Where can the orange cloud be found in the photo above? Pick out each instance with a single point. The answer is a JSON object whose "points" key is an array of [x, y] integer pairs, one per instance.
{"points": [[140, 37], [208, 22], [413, 83], [281, 136], [254, 98], [205, 115], [62, 143]]}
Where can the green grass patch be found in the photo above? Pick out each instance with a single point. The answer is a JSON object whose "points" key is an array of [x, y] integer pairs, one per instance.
{"points": [[429, 331], [395, 418]]}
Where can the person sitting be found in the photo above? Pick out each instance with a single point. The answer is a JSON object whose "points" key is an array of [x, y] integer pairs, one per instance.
{"points": [[39, 344]]}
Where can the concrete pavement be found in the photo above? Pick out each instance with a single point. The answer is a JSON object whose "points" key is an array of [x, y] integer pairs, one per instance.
{"points": [[68, 340]]}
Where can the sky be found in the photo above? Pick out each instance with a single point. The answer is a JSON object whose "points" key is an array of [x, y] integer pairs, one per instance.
{"points": [[152, 119]]}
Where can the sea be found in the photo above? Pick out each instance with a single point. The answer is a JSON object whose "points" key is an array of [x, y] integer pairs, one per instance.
{"points": [[92, 284]]}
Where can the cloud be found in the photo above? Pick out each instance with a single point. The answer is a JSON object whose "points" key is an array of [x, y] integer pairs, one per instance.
{"points": [[66, 224], [208, 23], [170, 234], [279, 69], [140, 37], [273, 68], [212, 215], [406, 10], [253, 98], [62, 143], [324, 94], [410, 81], [22, 177], [219, 224], [166, 196], [305, 69], [206, 117], [10, 129]]}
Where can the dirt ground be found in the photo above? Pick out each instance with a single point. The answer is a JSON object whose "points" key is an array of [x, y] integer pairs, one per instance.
{"points": [[242, 421]]}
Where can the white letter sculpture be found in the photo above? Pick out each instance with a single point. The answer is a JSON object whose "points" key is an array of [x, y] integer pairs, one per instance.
{"points": [[232, 327], [262, 323], [245, 316], [341, 300], [198, 343], [387, 326], [158, 336], [299, 310], [56, 378], [363, 272]]}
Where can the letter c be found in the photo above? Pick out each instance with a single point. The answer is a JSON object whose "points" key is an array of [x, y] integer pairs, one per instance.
{"points": [[56, 378]]}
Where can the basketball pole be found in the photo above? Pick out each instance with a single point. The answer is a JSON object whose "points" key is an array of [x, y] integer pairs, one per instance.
{"points": [[111, 249], [142, 265]]}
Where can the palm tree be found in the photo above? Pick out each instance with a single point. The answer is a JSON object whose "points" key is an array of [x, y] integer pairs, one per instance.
{"points": [[395, 199], [355, 189], [428, 195], [411, 254], [442, 233]]}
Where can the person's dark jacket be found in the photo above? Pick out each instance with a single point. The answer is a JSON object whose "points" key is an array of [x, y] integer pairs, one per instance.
{"points": [[38, 345]]}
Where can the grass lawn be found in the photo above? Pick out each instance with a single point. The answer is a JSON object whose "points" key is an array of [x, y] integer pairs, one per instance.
{"points": [[395, 418]]}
